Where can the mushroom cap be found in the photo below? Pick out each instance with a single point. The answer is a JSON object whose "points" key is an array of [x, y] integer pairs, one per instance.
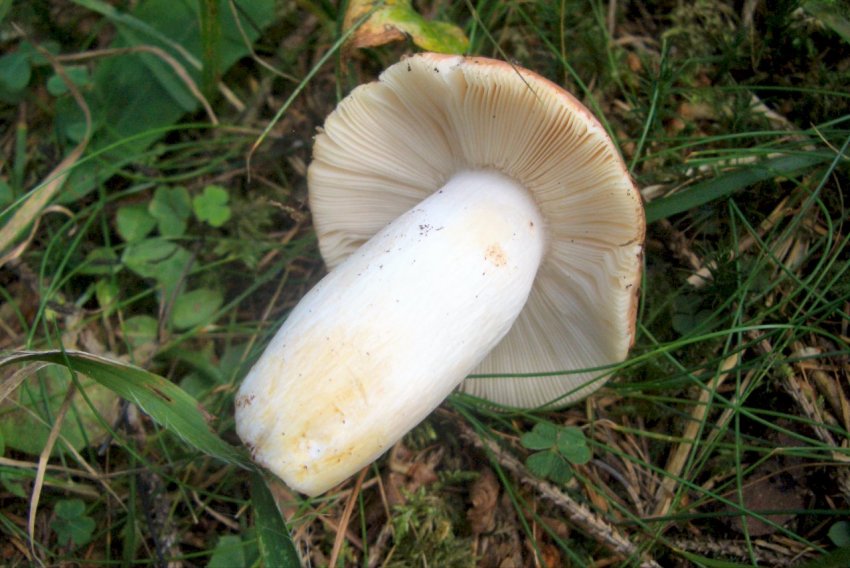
{"points": [[393, 142]]}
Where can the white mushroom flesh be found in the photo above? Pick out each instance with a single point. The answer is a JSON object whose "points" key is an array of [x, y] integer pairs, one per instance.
{"points": [[391, 331]]}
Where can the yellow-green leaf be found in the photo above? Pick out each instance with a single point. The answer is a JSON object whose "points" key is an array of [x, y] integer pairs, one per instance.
{"points": [[393, 20]]}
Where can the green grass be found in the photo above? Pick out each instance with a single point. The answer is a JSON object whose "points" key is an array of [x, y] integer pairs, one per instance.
{"points": [[736, 126]]}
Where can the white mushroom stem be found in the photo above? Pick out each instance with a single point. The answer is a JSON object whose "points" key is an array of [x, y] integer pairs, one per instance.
{"points": [[389, 333]]}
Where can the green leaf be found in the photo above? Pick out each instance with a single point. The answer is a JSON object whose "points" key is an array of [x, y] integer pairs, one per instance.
{"points": [[7, 195], [833, 13], [578, 455], [561, 472], [228, 553], [196, 307], [839, 534], [543, 436], [728, 182], [211, 206], [159, 259], [13, 482], [140, 92], [15, 71], [78, 75], [835, 559], [100, 261], [276, 547], [542, 463], [5, 5], [393, 20], [107, 294], [139, 330], [144, 257], [161, 399], [133, 222], [26, 416], [138, 95], [573, 445], [71, 524], [171, 208]]}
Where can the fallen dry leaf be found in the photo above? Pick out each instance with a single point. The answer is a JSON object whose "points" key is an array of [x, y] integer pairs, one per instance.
{"points": [[484, 496]]}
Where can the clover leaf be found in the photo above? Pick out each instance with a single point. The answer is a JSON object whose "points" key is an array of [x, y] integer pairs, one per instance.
{"points": [[211, 206]]}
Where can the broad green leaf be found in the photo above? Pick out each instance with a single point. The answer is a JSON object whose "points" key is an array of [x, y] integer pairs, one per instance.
{"points": [[561, 472], [133, 222], [196, 307], [70, 120], [211, 206], [145, 256], [171, 207], [106, 293], [13, 482], [276, 547], [71, 524], [227, 553], [15, 71], [141, 92], [139, 96], [139, 330], [159, 259], [542, 463], [573, 445], [78, 75], [393, 20], [26, 416], [161, 399], [578, 455], [839, 534], [543, 436], [232, 551], [100, 261]]}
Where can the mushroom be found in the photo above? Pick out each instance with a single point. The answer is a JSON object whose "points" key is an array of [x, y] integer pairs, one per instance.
{"points": [[475, 218]]}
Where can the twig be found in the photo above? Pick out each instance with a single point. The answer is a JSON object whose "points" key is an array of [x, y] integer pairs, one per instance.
{"points": [[588, 521]]}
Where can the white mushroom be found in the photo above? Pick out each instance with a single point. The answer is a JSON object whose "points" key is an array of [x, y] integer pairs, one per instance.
{"points": [[475, 218]]}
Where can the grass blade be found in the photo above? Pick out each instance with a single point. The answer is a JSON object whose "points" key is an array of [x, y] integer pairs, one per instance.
{"points": [[164, 401], [727, 183], [276, 547]]}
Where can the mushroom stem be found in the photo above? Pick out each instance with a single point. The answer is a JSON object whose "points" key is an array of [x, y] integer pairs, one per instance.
{"points": [[375, 346]]}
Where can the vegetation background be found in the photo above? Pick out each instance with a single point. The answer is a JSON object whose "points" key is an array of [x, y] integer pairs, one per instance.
{"points": [[155, 232]]}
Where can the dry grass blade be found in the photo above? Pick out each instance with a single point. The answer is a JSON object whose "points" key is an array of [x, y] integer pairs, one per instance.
{"points": [[31, 209], [42, 468], [679, 457], [346, 516]]}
